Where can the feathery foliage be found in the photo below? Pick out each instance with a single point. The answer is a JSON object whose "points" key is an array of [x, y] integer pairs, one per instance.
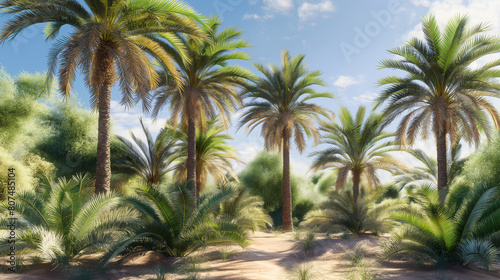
{"points": [[148, 159], [358, 146], [213, 155], [463, 230], [65, 220], [174, 225], [342, 212]]}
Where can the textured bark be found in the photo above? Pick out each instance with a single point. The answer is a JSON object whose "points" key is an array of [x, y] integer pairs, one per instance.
{"points": [[191, 159], [287, 190], [198, 181], [442, 165], [356, 178], [105, 75]]}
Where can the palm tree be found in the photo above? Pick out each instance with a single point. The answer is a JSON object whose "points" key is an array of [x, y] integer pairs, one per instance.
{"points": [[213, 155], [208, 85], [428, 173], [279, 105], [441, 92], [357, 146], [110, 42], [149, 160], [464, 229], [175, 226], [65, 220]]}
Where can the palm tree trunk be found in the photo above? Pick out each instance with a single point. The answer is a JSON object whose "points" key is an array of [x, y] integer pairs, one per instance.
{"points": [[198, 182], [191, 158], [356, 178], [442, 165], [287, 190], [105, 75]]}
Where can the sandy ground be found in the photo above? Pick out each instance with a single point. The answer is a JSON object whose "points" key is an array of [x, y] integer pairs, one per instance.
{"points": [[272, 256]]}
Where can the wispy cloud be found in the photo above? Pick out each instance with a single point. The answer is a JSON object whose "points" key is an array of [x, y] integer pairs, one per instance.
{"points": [[278, 6], [308, 11], [347, 81]]}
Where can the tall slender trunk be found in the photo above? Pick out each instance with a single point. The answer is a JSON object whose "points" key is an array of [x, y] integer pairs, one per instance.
{"points": [[287, 190], [191, 159], [356, 178], [104, 73], [442, 165]]}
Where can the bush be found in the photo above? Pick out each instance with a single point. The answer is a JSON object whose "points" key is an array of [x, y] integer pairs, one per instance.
{"points": [[483, 166]]}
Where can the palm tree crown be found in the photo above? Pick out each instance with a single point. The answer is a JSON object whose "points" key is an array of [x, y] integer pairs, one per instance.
{"points": [[148, 159], [208, 84], [278, 103], [111, 41], [441, 93], [357, 145]]}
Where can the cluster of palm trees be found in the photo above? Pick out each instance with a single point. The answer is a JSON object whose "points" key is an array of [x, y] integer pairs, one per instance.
{"points": [[162, 53]]}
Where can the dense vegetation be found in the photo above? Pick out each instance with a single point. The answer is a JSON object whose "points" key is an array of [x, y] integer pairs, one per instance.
{"points": [[181, 193]]}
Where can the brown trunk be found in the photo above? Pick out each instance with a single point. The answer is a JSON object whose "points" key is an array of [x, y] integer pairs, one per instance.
{"points": [[287, 190], [191, 159], [442, 165], [105, 75], [356, 178], [198, 182]]}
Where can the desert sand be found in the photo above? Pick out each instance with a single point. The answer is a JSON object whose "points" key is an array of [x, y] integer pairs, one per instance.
{"points": [[271, 256]]}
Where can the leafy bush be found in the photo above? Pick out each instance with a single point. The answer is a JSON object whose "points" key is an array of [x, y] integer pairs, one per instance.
{"points": [[462, 230], [340, 212], [483, 166], [65, 220]]}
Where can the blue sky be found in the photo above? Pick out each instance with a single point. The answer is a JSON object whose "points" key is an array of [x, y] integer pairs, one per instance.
{"points": [[344, 39]]}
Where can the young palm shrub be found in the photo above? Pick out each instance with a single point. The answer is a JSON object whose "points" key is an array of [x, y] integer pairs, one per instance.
{"points": [[175, 226], [462, 230], [65, 220], [148, 159], [341, 212], [246, 211]]}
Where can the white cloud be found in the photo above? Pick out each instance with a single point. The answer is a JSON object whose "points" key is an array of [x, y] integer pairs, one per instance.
{"points": [[251, 16], [365, 98], [347, 81], [309, 11], [278, 6], [246, 153], [126, 120]]}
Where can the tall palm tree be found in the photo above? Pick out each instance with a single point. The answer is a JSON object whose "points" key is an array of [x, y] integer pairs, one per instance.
{"points": [[148, 159], [441, 93], [110, 41], [278, 103], [213, 155], [208, 85], [358, 146]]}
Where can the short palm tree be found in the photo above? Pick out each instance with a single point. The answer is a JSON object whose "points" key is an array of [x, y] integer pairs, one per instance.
{"points": [[208, 84], [213, 155], [359, 146], [441, 92], [66, 220], [342, 212], [428, 173], [464, 229], [148, 159], [278, 103], [110, 41], [174, 226]]}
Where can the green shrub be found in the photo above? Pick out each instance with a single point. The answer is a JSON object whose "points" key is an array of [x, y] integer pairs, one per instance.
{"points": [[463, 230]]}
